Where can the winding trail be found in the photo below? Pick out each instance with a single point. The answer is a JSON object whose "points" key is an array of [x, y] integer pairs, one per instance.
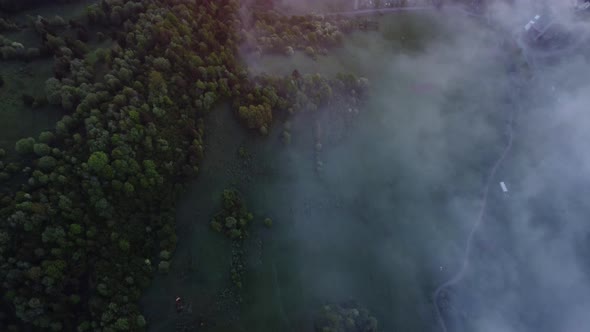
{"points": [[530, 56], [458, 8], [381, 10], [461, 273]]}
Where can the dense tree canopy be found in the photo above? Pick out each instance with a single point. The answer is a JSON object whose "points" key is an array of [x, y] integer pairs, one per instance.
{"points": [[95, 206]]}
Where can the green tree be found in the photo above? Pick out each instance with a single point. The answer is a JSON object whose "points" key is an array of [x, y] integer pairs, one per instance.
{"points": [[46, 137], [97, 161], [47, 163], [268, 222], [41, 149]]}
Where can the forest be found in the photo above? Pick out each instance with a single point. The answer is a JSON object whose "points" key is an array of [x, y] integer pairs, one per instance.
{"points": [[87, 214]]}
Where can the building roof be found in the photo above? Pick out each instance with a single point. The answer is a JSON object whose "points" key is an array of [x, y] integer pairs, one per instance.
{"points": [[538, 26], [532, 23]]}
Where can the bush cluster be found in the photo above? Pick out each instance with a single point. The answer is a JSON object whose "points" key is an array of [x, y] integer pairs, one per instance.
{"points": [[271, 32], [345, 317]]}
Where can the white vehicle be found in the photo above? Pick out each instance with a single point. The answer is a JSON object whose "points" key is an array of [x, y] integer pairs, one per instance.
{"points": [[503, 185]]}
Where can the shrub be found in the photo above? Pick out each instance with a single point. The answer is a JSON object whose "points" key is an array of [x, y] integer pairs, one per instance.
{"points": [[25, 145], [41, 149], [47, 163], [97, 161]]}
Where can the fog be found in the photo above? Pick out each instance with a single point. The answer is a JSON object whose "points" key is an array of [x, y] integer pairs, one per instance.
{"points": [[388, 219], [532, 275]]}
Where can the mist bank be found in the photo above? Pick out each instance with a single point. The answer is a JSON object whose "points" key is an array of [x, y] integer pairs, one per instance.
{"points": [[529, 270], [529, 254], [532, 258], [397, 195]]}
